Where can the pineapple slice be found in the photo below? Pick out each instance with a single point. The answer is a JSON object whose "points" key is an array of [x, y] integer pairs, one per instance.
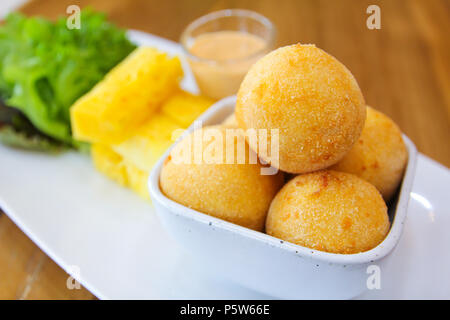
{"points": [[137, 180], [149, 143], [109, 163], [184, 107], [119, 170], [126, 97]]}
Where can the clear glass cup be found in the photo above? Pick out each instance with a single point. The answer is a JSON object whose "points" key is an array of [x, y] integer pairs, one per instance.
{"points": [[221, 77]]}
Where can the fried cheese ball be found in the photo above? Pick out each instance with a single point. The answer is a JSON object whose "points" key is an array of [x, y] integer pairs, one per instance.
{"points": [[235, 192], [329, 211], [379, 156], [312, 99]]}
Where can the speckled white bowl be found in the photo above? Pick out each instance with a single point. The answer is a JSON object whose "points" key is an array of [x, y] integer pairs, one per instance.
{"points": [[267, 264]]}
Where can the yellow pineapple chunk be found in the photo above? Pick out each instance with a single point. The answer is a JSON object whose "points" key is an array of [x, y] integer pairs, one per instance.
{"points": [[126, 97], [109, 163], [149, 142], [184, 107], [116, 168], [137, 180]]}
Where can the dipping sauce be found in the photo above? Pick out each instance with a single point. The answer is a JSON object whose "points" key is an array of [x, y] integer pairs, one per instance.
{"points": [[220, 60]]}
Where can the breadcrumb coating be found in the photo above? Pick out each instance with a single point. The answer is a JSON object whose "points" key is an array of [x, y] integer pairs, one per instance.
{"points": [[379, 156], [237, 193], [330, 211], [311, 98]]}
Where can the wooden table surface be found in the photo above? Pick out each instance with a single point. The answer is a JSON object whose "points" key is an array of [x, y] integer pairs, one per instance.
{"points": [[403, 69]]}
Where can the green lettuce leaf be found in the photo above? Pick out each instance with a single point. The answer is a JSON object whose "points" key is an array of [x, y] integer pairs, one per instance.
{"points": [[45, 67], [17, 131]]}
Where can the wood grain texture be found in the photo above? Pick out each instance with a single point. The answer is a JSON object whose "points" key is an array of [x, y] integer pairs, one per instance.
{"points": [[28, 273], [403, 69]]}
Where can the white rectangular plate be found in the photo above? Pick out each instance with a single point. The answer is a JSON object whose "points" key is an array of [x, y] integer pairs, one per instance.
{"points": [[86, 222]]}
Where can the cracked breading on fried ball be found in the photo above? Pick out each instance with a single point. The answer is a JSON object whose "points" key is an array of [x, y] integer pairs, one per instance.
{"points": [[380, 154], [330, 211], [235, 192], [312, 99]]}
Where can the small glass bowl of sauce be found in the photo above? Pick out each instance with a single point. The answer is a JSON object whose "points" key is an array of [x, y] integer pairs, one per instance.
{"points": [[222, 46]]}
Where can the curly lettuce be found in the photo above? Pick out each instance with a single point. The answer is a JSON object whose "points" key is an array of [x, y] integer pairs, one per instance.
{"points": [[45, 67]]}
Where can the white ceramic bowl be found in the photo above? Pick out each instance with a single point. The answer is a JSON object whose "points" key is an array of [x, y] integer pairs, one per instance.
{"points": [[267, 264]]}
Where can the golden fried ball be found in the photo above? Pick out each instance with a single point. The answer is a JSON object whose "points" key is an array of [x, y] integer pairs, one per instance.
{"points": [[312, 99], [237, 193], [230, 121], [330, 211], [379, 156]]}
